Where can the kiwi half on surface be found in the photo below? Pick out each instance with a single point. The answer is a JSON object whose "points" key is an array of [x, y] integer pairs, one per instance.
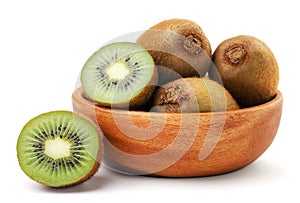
{"points": [[179, 48], [247, 68], [193, 95], [59, 149], [121, 75]]}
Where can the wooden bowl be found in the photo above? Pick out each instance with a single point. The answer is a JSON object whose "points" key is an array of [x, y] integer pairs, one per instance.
{"points": [[182, 145]]}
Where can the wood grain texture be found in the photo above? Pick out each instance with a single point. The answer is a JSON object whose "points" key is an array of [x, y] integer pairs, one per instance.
{"points": [[182, 145]]}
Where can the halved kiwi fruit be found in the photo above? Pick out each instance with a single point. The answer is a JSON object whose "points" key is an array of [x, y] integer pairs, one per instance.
{"points": [[193, 95], [179, 48], [247, 68], [120, 74], [59, 149]]}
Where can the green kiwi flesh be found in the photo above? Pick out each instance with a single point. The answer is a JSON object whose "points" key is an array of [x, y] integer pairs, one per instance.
{"points": [[179, 48], [193, 95], [59, 149], [120, 74], [247, 68]]}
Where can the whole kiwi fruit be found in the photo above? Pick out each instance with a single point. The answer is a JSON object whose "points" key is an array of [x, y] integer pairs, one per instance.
{"points": [[179, 48], [59, 149], [120, 75], [247, 68], [193, 95]]}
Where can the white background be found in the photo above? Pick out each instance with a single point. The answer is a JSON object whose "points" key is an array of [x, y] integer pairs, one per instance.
{"points": [[44, 44]]}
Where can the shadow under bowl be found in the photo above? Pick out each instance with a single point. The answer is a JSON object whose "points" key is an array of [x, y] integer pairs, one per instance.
{"points": [[182, 144]]}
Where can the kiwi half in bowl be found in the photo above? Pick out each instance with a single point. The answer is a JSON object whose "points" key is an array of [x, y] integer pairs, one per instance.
{"points": [[59, 149], [120, 74]]}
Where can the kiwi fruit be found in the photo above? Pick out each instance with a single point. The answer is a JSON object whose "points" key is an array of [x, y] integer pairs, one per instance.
{"points": [[120, 75], [179, 48], [59, 149], [193, 95], [247, 68]]}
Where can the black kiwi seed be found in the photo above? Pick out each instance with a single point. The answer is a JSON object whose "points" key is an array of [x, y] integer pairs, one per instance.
{"points": [[37, 145], [127, 59], [42, 161]]}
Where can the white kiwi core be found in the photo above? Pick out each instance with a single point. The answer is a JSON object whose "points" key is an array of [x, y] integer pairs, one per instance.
{"points": [[117, 71], [57, 148]]}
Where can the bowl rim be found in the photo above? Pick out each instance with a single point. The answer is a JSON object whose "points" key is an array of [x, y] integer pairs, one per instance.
{"points": [[278, 98]]}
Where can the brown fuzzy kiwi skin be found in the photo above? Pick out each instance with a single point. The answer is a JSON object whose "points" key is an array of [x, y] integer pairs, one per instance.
{"points": [[193, 95], [137, 102], [247, 68], [179, 45]]}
